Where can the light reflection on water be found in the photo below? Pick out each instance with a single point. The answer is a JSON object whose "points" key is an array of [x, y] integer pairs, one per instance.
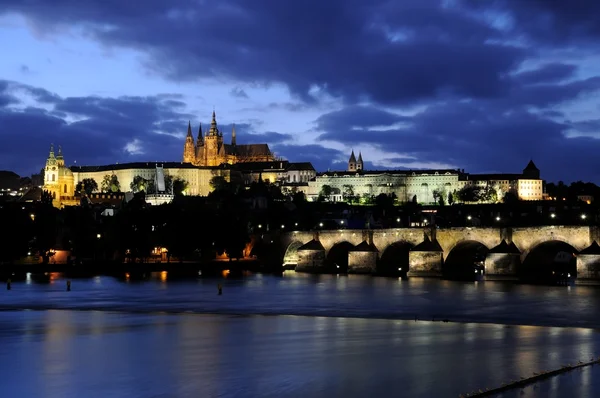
{"points": [[335, 351], [100, 354]]}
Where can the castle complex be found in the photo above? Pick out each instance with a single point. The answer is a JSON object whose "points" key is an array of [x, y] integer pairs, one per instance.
{"points": [[210, 150], [208, 156]]}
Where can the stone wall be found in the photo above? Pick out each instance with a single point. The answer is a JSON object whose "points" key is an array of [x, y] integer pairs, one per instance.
{"points": [[310, 261], [501, 265], [362, 262], [588, 266], [425, 264]]}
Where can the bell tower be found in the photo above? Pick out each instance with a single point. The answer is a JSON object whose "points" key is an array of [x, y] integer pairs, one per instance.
{"points": [[352, 162]]}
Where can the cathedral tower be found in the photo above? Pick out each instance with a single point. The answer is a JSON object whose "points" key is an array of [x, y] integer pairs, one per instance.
{"points": [[213, 143], [199, 144], [233, 138], [352, 162], [359, 164], [189, 155]]}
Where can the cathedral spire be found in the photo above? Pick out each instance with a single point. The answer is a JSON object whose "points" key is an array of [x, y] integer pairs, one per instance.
{"points": [[213, 125], [233, 140], [51, 150], [200, 132], [189, 133], [60, 155]]}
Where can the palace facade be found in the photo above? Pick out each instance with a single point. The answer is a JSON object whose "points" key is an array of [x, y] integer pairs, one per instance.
{"points": [[407, 184], [61, 181], [210, 149]]}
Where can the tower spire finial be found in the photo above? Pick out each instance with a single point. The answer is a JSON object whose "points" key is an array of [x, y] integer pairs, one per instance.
{"points": [[189, 133], [51, 150]]}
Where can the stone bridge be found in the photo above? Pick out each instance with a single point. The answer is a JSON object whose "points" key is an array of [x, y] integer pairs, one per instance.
{"points": [[424, 252]]}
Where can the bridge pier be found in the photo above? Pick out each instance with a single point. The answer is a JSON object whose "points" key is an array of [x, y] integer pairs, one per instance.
{"points": [[502, 261], [588, 264], [362, 259], [426, 259], [311, 257]]}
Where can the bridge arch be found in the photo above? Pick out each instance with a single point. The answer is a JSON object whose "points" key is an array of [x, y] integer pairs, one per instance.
{"points": [[549, 256], [394, 259], [463, 256], [337, 257], [291, 253]]}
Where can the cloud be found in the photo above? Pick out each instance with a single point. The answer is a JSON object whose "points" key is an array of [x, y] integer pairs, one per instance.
{"points": [[422, 50], [104, 130], [269, 137], [238, 92]]}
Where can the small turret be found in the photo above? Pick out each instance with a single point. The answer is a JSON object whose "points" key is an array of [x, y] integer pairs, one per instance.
{"points": [[233, 137], [359, 164], [60, 160], [352, 162]]}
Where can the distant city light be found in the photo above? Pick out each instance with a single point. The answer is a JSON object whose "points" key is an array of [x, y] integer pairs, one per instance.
{"points": [[259, 226], [320, 224], [398, 219], [282, 226], [98, 236], [552, 215], [498, 218], [469, 218], [583, 216]]}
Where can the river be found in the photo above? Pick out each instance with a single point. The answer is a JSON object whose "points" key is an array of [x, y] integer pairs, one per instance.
{"points": [[293, 336]]}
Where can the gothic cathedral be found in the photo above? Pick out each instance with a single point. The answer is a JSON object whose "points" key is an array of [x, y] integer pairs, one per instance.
{"points": [[58, 179], [210, 150]]}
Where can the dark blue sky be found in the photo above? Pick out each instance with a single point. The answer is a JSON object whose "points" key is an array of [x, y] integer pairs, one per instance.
{"points": [[479, 85]]}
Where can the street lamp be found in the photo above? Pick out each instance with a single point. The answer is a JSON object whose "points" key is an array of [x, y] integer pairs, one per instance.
{"points": [[259, 225], [583, 216], [398, 219], [552, 215], [469, 218], [321, 224], [98, 236], [282, 226], [497, 218]]}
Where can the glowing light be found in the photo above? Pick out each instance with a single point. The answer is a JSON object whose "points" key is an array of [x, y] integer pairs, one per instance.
{"points": [[342, 222], [32, 216], [163, 276], [98, 236], [398, 219], [259, 225], [552, 215], [498, 218], [399, 269], [282, 226], [583, 216], [320, 224], [296, 224], [225, 273], [469, 218], [29, 253]]}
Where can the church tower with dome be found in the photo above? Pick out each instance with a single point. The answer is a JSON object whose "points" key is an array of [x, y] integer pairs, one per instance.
{"points": [[58, 179]]}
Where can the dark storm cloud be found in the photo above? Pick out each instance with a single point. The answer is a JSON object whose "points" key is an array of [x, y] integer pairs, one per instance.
{"points": [[378, 50], [99, 134]]}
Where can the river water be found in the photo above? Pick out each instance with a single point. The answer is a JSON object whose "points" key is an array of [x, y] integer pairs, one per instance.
{"points": [[293, 336]]}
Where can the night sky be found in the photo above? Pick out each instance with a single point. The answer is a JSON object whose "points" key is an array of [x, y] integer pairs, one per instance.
{"points": [[480, 85]]}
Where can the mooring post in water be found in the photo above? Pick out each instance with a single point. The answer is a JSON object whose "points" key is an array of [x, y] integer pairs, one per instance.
{"points": [[68, 286], [220, 289], [8, 284]]}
